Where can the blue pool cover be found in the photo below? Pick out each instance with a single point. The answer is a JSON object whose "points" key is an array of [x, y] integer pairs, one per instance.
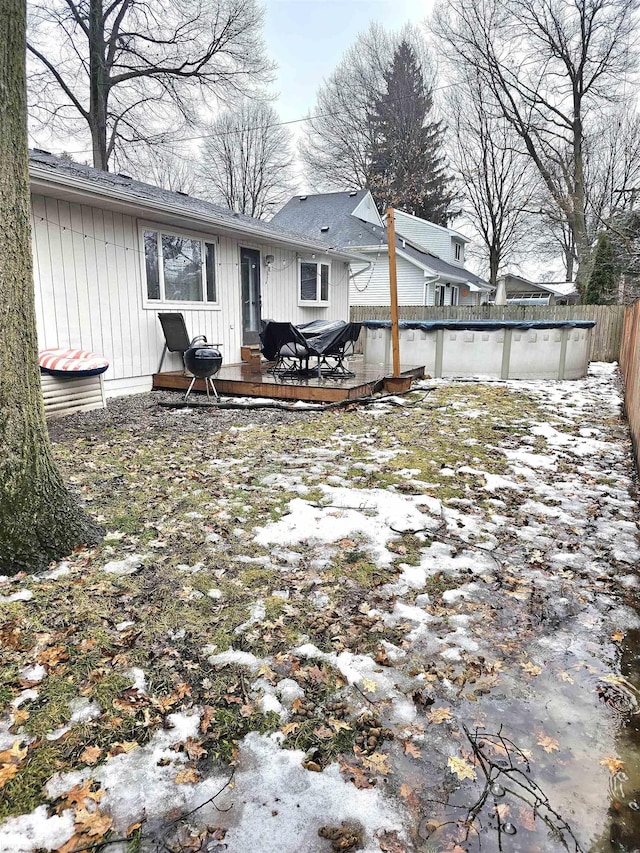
{"points": [[481, 325]]}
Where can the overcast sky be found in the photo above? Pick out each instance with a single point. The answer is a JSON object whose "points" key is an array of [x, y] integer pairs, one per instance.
{"points": [[307, 38]]}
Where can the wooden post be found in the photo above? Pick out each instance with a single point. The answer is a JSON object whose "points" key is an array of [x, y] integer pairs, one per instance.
{"points": [[393, 287]]}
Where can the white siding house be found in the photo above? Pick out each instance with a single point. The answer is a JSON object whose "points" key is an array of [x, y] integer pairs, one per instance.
{"points": [[96, 290]]}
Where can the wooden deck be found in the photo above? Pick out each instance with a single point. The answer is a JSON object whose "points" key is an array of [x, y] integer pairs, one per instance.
{"points": [[254, 380]]}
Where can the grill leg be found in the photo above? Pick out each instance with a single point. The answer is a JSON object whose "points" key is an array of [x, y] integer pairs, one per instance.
{"points": [[213, 388], [186, 396]]}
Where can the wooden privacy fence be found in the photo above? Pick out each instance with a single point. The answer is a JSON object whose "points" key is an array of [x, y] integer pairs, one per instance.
{"points": [[630, 367], [605, 338]]}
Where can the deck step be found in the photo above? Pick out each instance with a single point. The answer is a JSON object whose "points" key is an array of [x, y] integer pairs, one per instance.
{"points": [[250, 354]]}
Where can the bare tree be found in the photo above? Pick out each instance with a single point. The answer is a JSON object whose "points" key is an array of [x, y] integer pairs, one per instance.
{"points": [[39, 519], [496, 178], [246, 161], [550, 65], [338, 139], [167, 166], [129, 70], [612, 164]]}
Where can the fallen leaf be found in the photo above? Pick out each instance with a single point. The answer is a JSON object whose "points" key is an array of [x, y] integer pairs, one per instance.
{"points": [[617, 636], [7, 772], [52, 656], [323, 732], [389, 842], [91, 755], [194, 749], [339, 725], [439, 715], [78, 795], [563, 675], [614, 764], [531, 668], [369, 685], [549, 744], [461, 768], [20, 716], [378, 762], [188, 776], [382, 657], [94, 824], [502, 810], [526, 819], [412, 749], [406, 791], [266, 672], [290, 728], [355, 774]]}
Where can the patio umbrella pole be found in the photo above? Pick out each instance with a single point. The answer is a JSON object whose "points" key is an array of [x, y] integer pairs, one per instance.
{"points": [[393, 287]]}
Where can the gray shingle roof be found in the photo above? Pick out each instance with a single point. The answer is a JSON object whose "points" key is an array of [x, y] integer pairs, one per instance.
{"points": [[309, 215], [439, 265], [41, 162]]}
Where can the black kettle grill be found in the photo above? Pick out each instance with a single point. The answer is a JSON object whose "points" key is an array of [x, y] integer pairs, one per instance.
{"points": [[203, 360]]}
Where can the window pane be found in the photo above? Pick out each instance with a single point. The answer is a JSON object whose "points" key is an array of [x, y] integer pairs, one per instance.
{"points": [[308, 282], [324, 282], [182, 259], [151, 264], [210, 265]]}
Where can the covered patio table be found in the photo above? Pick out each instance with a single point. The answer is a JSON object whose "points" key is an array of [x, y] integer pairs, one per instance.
{"points": [[292, 346]]}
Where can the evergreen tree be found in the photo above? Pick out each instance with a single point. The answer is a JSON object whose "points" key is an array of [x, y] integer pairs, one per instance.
{"points": [[601, 286], [408, 169]]}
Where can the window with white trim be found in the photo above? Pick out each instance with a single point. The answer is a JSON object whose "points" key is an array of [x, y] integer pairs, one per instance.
{"points": [[455, 295], [179, 267], [314, 283], [457, 248]]}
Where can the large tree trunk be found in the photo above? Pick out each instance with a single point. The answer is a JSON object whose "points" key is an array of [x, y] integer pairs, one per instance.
{"points": [[39, 519], [97, 87]]}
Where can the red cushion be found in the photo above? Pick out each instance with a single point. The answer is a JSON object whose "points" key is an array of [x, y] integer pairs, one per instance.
{"points": [[77, 361]]}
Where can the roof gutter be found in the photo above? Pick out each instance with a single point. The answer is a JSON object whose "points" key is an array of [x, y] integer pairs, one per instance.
{"points": [[42, 177]]}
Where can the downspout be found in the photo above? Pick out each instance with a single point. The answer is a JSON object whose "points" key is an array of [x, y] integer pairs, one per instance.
{"points": [[427, 281]]}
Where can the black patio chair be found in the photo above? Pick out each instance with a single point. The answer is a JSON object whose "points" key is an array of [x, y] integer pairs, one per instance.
{"points": [[176, 337]]}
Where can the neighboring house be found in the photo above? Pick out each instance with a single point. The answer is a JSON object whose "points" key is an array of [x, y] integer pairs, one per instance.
{"points": [[521, 291], [110, 253], [429, 258]]}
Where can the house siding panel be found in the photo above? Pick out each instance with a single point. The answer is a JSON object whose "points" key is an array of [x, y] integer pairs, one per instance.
{"points": [[428, 237], [372, 286]]}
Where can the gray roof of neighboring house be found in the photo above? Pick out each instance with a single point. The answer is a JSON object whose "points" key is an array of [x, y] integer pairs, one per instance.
{"points": [[309, 215], [438, 265], [557, 288], [48, 167]]}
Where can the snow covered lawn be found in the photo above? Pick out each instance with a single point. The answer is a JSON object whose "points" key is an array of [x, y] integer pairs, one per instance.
{"points": [[410, 626]]}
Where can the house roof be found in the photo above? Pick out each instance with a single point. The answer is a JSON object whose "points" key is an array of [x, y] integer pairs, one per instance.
{"points": [[434, 264], [312, 214], [330, 217], [46, 170], [556, 288]]}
